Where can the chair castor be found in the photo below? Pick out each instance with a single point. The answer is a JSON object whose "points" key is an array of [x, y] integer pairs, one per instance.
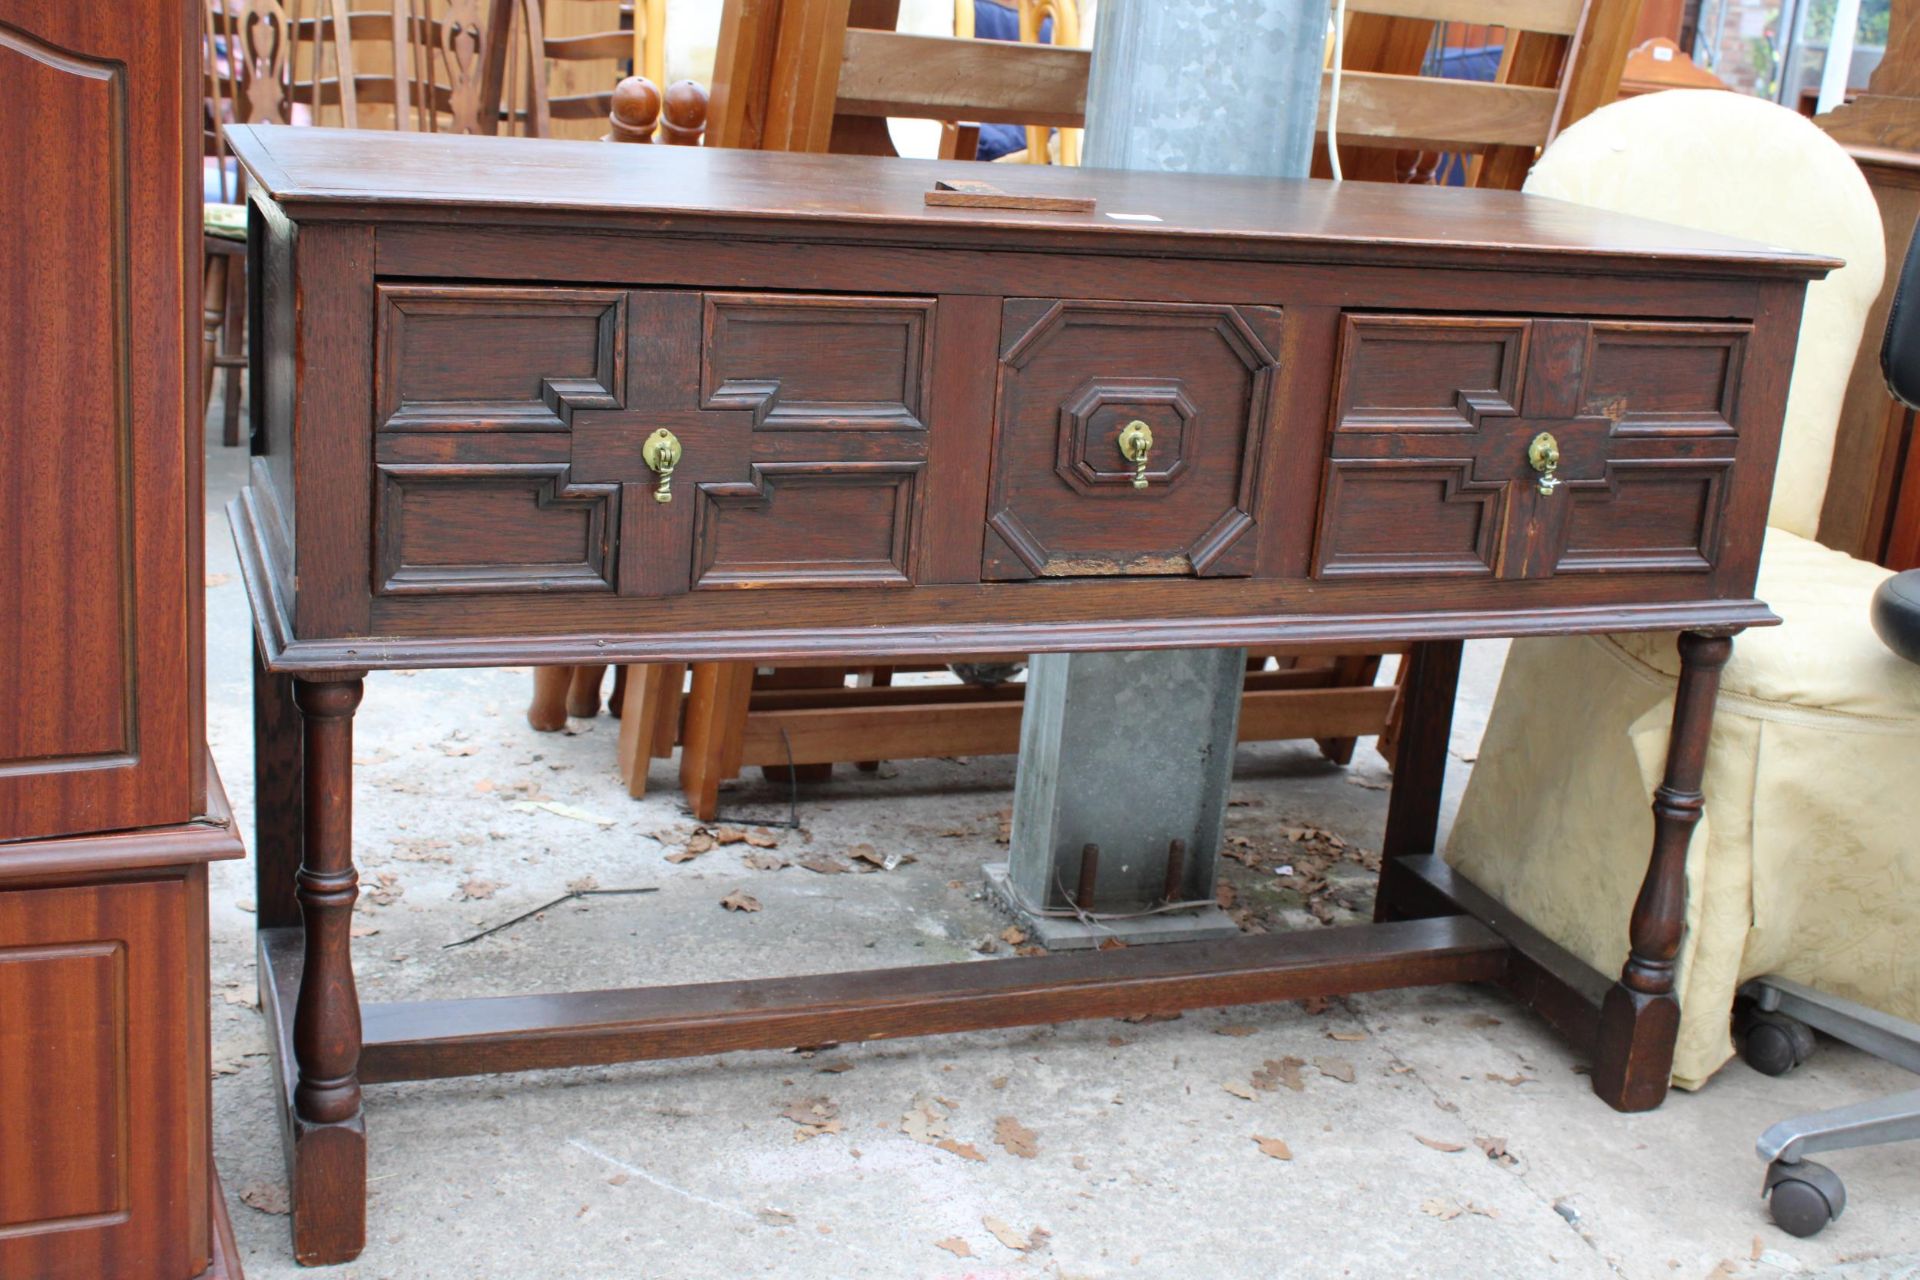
{"points": [[1803, 1196], [1774, 1044]]}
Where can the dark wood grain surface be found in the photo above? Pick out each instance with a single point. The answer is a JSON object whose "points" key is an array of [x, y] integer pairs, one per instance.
{"points": [[363, 174]]}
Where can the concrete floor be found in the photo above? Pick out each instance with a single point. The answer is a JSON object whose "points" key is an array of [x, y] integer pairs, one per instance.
{"points": [[1145, 1164]]}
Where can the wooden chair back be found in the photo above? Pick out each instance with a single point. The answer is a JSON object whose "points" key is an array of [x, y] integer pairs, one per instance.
{"points": [[1560, 60], [428, 65], [587, 51], [1054, 22], [814, 75]]}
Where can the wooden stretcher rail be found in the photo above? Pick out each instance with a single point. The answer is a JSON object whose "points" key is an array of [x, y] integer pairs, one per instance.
{"points": [[430, 1039]]}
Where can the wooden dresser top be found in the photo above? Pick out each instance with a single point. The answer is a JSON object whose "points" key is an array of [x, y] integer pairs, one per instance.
{"points": [[361, 174]]}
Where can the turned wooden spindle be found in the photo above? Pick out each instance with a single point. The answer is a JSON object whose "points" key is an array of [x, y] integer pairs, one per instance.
{"points": [[684, 121], [636, 111], [1640, 1017], [329, 1162]]}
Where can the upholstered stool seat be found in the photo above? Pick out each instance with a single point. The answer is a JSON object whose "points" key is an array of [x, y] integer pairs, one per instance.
{"points": [[1896, 614]]}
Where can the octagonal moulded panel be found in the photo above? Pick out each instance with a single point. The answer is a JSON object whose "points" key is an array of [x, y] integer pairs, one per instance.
{"points": [[1073, 374]]}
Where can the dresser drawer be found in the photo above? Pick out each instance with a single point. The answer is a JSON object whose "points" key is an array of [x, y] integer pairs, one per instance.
{"points": [[1187, 385], [511, 427], [1521, 447]]}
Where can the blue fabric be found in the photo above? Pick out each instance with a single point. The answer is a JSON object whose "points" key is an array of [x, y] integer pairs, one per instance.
{"points": [[210, 180], [1481, 64], [999, 22]]}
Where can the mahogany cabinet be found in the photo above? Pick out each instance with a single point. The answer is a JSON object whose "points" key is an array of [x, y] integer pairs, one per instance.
{"points": [[109, 809], [557, 403]]}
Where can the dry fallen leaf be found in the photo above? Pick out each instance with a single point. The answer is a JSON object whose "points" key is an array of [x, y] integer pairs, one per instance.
{"points": [[1317, 1005], [1235, 1029], [814, 1116], [765, 861], [761, 838], [1337, 1068], [475, 889], [1016, 1138], [873, 857], [386, 890], [965, 1150], [585, 884], [998, 1082], [1013, 1239], [1013, 935], [1448, 1210], [1349, 1036], [1273, 1147], [825, 865], [1514, 1080], [737, 901], [956, 1246], [1478, 1021], [562, 810], [1496, 1149], [728, 835], [1280, 1071], [265, 1197], [924, 1124], [1239, 1090], [1437, 1144]]}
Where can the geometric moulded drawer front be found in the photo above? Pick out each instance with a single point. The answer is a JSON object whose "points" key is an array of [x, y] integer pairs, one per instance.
{"points": [[819, 481], [1432, 468], [1078, 380], [496, 527]]}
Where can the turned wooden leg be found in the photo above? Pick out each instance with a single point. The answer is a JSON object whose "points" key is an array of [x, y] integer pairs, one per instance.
{"points": [[278, 820], [1420, 765], [548, 710], [213, 302], [1640, 1018], [583, 691], [713, 737], [329, 1146]]}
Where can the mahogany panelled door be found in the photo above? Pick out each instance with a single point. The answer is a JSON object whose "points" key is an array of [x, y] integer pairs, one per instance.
{"points": [[109, 808], [558, 403]]}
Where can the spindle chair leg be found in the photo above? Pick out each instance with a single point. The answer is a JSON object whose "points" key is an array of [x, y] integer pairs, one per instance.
{"points": [[1640, 1018]]}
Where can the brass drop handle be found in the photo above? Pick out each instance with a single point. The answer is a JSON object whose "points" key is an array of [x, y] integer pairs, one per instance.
{"points": [[1544, 455], [1136, 442], [661, 452]]}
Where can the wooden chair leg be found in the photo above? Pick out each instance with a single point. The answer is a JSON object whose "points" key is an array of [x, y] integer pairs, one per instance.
{"points": [[583, 691], [1350, 671], [649, 719], [799, 678], [1388, 744], [233, 344], [617, 700], [1640, 1017], [873, 678], [548, 710], [713, 738], [213, 304]]}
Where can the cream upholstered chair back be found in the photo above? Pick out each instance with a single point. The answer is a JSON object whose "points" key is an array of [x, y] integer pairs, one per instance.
{"points": [[1745, 167]]}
